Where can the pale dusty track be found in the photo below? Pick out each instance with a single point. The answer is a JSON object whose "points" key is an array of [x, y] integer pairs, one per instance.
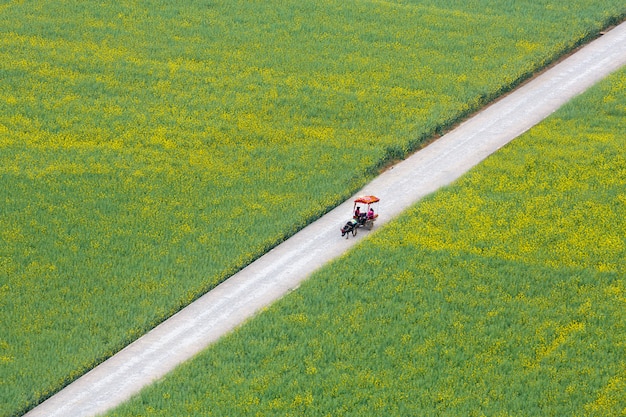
{"points": [[283, 268]]}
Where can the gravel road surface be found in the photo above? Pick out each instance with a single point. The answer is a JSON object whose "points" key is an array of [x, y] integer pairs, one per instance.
{"points": [[283, 268]]}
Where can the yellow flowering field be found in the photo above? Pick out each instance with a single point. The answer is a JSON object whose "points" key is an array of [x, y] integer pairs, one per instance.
{"points": [[150, 149], [501, 295]]}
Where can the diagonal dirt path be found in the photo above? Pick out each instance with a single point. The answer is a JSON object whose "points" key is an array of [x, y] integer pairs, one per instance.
{"points": [[283, 268]]}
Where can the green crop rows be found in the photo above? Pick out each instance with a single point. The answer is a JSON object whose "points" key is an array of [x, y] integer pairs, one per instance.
{"points": [[150, 149], [501, 295]]}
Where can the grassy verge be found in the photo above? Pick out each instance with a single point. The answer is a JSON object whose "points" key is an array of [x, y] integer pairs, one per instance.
{"points": [[502, 294], [150, 150]]}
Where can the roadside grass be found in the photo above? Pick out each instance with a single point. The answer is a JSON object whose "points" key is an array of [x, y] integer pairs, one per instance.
{"points": [[502, 294], [148, 151]]}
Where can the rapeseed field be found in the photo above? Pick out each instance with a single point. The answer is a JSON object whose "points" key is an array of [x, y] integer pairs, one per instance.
{"points": [[150, 149], [500, 295]]}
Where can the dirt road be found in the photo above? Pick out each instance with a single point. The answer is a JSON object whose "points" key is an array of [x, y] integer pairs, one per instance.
{"points": [[282, 269]]}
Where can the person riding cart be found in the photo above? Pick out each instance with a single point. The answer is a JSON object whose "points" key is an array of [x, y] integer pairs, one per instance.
{"points": [[359, 217], [364, 210]]}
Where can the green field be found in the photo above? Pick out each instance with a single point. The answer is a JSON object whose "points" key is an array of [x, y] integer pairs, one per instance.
{"points": [[501, 295], [150, 149]]}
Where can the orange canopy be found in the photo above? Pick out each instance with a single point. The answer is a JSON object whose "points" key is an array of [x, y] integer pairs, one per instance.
{"points": [[368, 199]]}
